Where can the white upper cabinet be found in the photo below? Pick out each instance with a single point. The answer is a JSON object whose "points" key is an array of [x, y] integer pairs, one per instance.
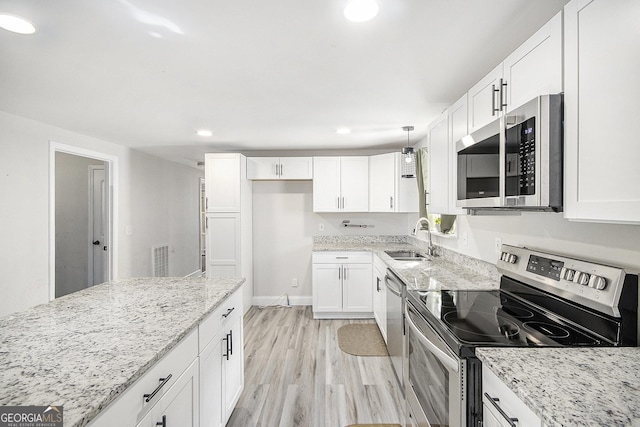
{"points": [[602, 59], [534, 69], [388, 190], [341, 184], [458, 128], [439, 176], [271, 168], [222, 182], [483, 100]]}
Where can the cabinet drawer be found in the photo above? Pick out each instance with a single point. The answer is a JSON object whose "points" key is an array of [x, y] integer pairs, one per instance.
{"points": [[341, 257], [211, 325], [131, 406], [510, 405]]}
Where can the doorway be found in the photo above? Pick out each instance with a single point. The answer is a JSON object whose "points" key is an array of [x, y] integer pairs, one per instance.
{"points": [[82, 219]]}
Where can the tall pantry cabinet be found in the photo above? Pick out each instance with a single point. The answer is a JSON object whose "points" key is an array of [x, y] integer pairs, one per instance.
{"points": [[228, 225]]}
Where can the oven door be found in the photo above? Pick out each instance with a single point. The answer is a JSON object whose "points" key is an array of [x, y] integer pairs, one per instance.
{"points": [[480, 160], [433, 383]]}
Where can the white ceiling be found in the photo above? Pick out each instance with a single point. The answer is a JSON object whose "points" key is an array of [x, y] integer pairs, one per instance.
{"points": [[263, 75]]}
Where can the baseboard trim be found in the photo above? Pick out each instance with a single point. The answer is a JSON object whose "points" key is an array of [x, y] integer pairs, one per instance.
{"points": [[282, 300], [196, 273]]}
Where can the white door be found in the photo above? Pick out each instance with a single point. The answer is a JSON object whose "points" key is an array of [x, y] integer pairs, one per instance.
{"points": [[357, 292], [483, 100], [326, 184], [97, 226], [439, 165], [354, 184], [382, 174]]}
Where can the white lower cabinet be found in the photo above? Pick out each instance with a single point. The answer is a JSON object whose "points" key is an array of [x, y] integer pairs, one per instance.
{"points": [[179, 406], [198, 383], [221, 362], [501, 407], [166, 378], [342, 285], [380, 296]]}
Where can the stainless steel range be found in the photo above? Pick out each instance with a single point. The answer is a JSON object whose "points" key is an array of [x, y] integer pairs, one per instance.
{"points": [[544, 300]]}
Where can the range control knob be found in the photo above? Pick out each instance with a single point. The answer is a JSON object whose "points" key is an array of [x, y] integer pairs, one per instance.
{"points": [[582, 278], [503, 256], [511, 259], [567, 274], [598, 283]]}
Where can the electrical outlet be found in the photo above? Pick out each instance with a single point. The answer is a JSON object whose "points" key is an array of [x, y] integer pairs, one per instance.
{"points": [[465, 238], [321, 227], [497, 245], [294, 282]]}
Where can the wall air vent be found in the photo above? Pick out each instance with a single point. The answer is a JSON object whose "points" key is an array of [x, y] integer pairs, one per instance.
{"points": [[160, 260]]}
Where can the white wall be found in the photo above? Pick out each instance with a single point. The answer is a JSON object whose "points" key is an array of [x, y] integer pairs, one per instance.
{"points": [[72, 222], [158, 199], [283, 228]]}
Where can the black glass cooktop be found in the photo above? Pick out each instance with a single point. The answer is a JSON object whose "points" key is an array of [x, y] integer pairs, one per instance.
{"points": [[496, 318]]}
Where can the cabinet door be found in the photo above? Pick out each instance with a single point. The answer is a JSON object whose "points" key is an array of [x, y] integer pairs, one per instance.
{"points": [[223, 245], [211, 384], [382, 179], [535, 68], [262, 167], [326, 184], [296, 168], [380, 302], [327, 287], [357, 293], [179, 406], [232, 365], [457, 130], [438, 134], [483, 100], [354, 174], [222, 182], [602, 59]]}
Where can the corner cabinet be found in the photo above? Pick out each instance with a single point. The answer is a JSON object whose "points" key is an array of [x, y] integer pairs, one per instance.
{"points": [[279, 168], [601, 153], [388, 190], [341, 184], [341, 283], [534, 68]]}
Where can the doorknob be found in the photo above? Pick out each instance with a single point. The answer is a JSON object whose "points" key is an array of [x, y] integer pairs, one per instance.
{"points": [[97, 242]]}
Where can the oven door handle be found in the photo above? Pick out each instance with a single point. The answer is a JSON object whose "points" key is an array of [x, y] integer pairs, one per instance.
{"points": [[390, 285], [443, 357]]}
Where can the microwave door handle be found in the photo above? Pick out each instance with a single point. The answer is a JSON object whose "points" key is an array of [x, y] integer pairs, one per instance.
{"points": [[443, 357]]}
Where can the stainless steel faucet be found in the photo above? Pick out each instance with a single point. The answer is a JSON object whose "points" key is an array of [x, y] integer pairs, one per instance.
{"points": [[430, 250]]}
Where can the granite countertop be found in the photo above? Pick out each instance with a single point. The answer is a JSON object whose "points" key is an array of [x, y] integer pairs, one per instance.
{"points": [[59, 353], [572, 386], [438, 273]]}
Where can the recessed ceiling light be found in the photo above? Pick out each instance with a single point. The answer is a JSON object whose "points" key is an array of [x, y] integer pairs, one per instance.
{"points": [[343, 131], [16, 24], [204, 132], [361, 10]]}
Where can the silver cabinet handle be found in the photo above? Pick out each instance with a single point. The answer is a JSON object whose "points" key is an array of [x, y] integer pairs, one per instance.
{"points": [[344, 274], [340, 273], [513, 422], [281, 170], [391, 202], [377, 284], [338, 202]]}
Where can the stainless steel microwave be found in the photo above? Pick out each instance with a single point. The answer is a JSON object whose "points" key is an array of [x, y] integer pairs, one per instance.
{"points": [[514, 162]]}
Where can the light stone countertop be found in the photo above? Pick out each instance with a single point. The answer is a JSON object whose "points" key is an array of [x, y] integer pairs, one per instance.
{"points": [[82, 350], [438, 273], [572, 386]]}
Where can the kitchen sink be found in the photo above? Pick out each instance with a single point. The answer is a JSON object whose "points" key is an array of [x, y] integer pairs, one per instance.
{"points": [[407, 256]]}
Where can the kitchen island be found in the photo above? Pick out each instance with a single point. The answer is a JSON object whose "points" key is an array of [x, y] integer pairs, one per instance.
{"points": [[83, 350], [572, 386]]}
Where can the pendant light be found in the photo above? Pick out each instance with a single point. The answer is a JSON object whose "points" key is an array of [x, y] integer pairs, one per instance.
{"points": [[409, 157]]}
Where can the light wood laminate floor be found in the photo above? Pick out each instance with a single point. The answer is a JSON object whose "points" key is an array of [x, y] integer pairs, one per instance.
{"points": [[296, 375]]}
